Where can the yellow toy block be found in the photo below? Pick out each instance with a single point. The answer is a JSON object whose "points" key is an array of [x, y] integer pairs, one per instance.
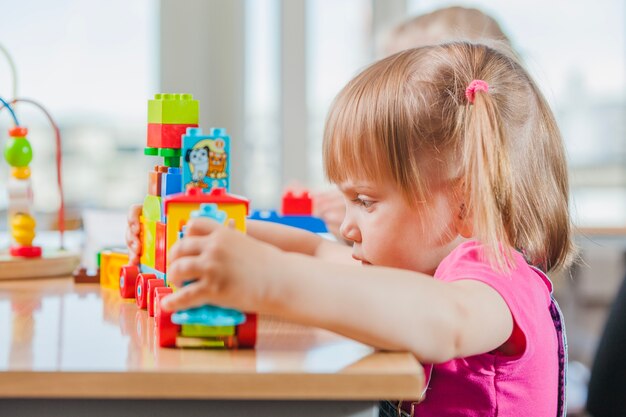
{"points": [[111, 262], [178, 210], [148, 241]]}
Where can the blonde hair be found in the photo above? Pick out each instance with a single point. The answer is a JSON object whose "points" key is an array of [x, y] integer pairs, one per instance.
{"points": [[406, 119], [444, 25]]}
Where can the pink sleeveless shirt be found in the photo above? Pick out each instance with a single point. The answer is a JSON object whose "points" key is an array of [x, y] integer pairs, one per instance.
{"points": [[492, 384]]}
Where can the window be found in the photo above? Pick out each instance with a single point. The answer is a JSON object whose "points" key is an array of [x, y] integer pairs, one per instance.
{"points": [[93, 66]]}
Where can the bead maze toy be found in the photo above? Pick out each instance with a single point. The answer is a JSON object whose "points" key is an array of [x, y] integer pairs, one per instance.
{"points": [[195, 172], [24, 258]]}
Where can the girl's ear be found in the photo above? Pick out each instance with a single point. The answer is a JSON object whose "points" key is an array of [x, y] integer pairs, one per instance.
{"points": [[463, 222]]}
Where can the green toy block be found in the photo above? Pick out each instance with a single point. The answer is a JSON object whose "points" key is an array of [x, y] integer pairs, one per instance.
{"points": [[152, 208], [198, 330], [151, 151], [169, 152], [172, 162], [173, 109]]}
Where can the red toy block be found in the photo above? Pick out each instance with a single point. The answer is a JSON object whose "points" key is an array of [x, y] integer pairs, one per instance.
{"points": [[246, 332], [26, 251], [160, 247], [153, 284], [297, 205], [128, 278], [154, 179], [166, 135]]}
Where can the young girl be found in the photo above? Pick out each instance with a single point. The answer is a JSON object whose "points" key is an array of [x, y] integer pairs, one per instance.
{"points": [[455, 182]]}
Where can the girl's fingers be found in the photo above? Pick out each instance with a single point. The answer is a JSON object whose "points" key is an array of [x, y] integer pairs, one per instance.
{"points": [[184, 269], [201, 227], [189, 296], [189, 246], [133, 214]]}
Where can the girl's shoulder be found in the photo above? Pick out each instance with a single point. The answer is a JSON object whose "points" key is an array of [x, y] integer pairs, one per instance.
{"points": [[469, 261]]}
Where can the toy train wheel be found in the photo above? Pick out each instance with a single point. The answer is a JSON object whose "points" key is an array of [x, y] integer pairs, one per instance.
{"points": [[153, 284], [159, 293], [166, 331], [246, 332], [141, 290], [128, 278]]}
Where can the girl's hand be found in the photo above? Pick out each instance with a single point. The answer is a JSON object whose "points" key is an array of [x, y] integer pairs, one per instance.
{"points": [[330, 206], [133, 234], [227, 268]]}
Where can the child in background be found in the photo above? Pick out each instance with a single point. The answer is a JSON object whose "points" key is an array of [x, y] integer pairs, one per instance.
{"points": [[442, 25], [454, 176]]}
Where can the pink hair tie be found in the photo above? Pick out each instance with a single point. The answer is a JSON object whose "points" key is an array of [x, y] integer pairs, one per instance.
{"points": [[475, 85]]}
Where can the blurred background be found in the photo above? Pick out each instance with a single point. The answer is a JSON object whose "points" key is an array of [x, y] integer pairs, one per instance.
{"points": [[267, 70]]}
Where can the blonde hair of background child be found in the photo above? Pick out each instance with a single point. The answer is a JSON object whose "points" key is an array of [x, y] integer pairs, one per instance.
{"points": [[406, 118], [442, 25]]}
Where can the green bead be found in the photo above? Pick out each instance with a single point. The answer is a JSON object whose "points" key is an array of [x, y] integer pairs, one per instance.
{"points": [[18, 152]]}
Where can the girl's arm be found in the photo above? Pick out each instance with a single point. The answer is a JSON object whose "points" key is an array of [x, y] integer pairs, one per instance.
{"points": [[384, 307], [291, 239], [391, 308]]}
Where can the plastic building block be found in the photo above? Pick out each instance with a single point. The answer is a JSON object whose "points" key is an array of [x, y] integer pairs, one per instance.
{"points": [[151, 208], [297, 204], [148, 242], [310, 223], [206, 159], [178, 208], [160, 247], [169, 153], [196, 330], [111, 263], [210, 211], [247, 332], [171, 183], [154, 180], [151, 151], [173, 109], [173, 161], [166, 135], [82, 275], [209, 315]]}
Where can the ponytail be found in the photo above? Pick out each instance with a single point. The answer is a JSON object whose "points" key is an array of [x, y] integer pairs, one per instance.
{"points": [[488, 181]]}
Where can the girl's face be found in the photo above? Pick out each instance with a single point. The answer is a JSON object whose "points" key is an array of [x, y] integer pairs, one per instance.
{"points": [[387, 231]]}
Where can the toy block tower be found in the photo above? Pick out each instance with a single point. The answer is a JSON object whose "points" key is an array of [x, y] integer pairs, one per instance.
{"points": [[169, 116]]}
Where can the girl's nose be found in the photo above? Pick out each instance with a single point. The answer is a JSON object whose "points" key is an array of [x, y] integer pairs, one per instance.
{"points": [[349, 230]]}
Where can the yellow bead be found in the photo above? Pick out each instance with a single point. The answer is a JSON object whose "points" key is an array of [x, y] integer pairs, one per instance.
{"points": [[20, 172], [23, 229]]}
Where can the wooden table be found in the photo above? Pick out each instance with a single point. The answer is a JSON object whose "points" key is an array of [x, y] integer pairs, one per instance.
{"points": [[79, 349]]}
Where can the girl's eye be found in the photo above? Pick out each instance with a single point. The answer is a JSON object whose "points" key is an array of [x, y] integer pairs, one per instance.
{"points": [[362, 202]]}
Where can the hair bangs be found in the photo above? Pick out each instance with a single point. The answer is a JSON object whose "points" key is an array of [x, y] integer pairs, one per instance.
{"points": [[370, 133]]}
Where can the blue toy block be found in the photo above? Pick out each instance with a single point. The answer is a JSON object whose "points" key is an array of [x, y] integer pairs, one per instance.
{"points": [[171, 183], [310, 223], [209, 316], [210, 210], [206, 159]]}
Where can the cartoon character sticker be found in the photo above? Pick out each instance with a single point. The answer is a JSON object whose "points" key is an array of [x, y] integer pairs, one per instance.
{"points": [[207, 163]]}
